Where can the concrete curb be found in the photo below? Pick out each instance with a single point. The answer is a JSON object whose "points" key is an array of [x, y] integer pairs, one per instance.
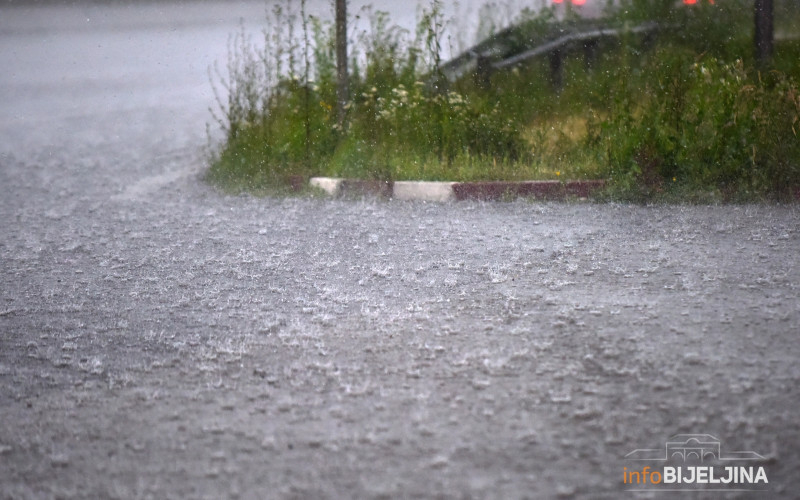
{"points": [[327, 184], [543, 190], [455, 191], [424, 191]]}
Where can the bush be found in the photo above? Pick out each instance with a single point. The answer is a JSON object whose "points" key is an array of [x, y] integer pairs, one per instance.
{"points": [[704, 125]]}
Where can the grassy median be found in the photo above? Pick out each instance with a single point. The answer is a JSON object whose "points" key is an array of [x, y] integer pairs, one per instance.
{"points": [[684, 115]]}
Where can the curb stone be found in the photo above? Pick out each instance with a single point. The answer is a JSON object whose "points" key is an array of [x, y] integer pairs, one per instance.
{"points": [[327, 184], [457, 191], [424, 191]]}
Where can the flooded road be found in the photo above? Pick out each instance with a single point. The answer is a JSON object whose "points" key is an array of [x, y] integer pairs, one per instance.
{"points": [[159, 339]]}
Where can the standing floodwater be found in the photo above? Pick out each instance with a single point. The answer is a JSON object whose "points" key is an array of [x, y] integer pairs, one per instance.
{"points": [[159, 339]]}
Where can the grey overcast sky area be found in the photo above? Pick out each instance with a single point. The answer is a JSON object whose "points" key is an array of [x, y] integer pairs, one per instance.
{"points": [[463, 18]]}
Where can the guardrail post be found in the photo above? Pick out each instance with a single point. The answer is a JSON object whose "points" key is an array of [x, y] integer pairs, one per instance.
{"points": [[589, 54], [483, 72], [556, 70]]}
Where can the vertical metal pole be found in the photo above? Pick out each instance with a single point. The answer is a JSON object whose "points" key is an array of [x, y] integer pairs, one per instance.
{"points": [[764, 34], [343, 80]]}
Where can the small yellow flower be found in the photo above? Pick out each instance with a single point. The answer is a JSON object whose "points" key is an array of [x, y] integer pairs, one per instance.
{"points": [[558, 173], [673, 179]]}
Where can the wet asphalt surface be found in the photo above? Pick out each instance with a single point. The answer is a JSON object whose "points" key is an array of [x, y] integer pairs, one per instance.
{"points": [[159, 339]]}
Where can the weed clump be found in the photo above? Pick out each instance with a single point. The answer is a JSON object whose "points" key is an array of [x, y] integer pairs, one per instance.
{"points": [[279, 117], [703, 125]]}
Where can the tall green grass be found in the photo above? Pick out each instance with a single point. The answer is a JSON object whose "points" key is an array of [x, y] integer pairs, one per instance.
{"points": [[685, 114]]}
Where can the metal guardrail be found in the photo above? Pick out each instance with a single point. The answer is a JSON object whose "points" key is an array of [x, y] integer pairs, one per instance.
{"points": [[559, 43], [496, 52]]}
